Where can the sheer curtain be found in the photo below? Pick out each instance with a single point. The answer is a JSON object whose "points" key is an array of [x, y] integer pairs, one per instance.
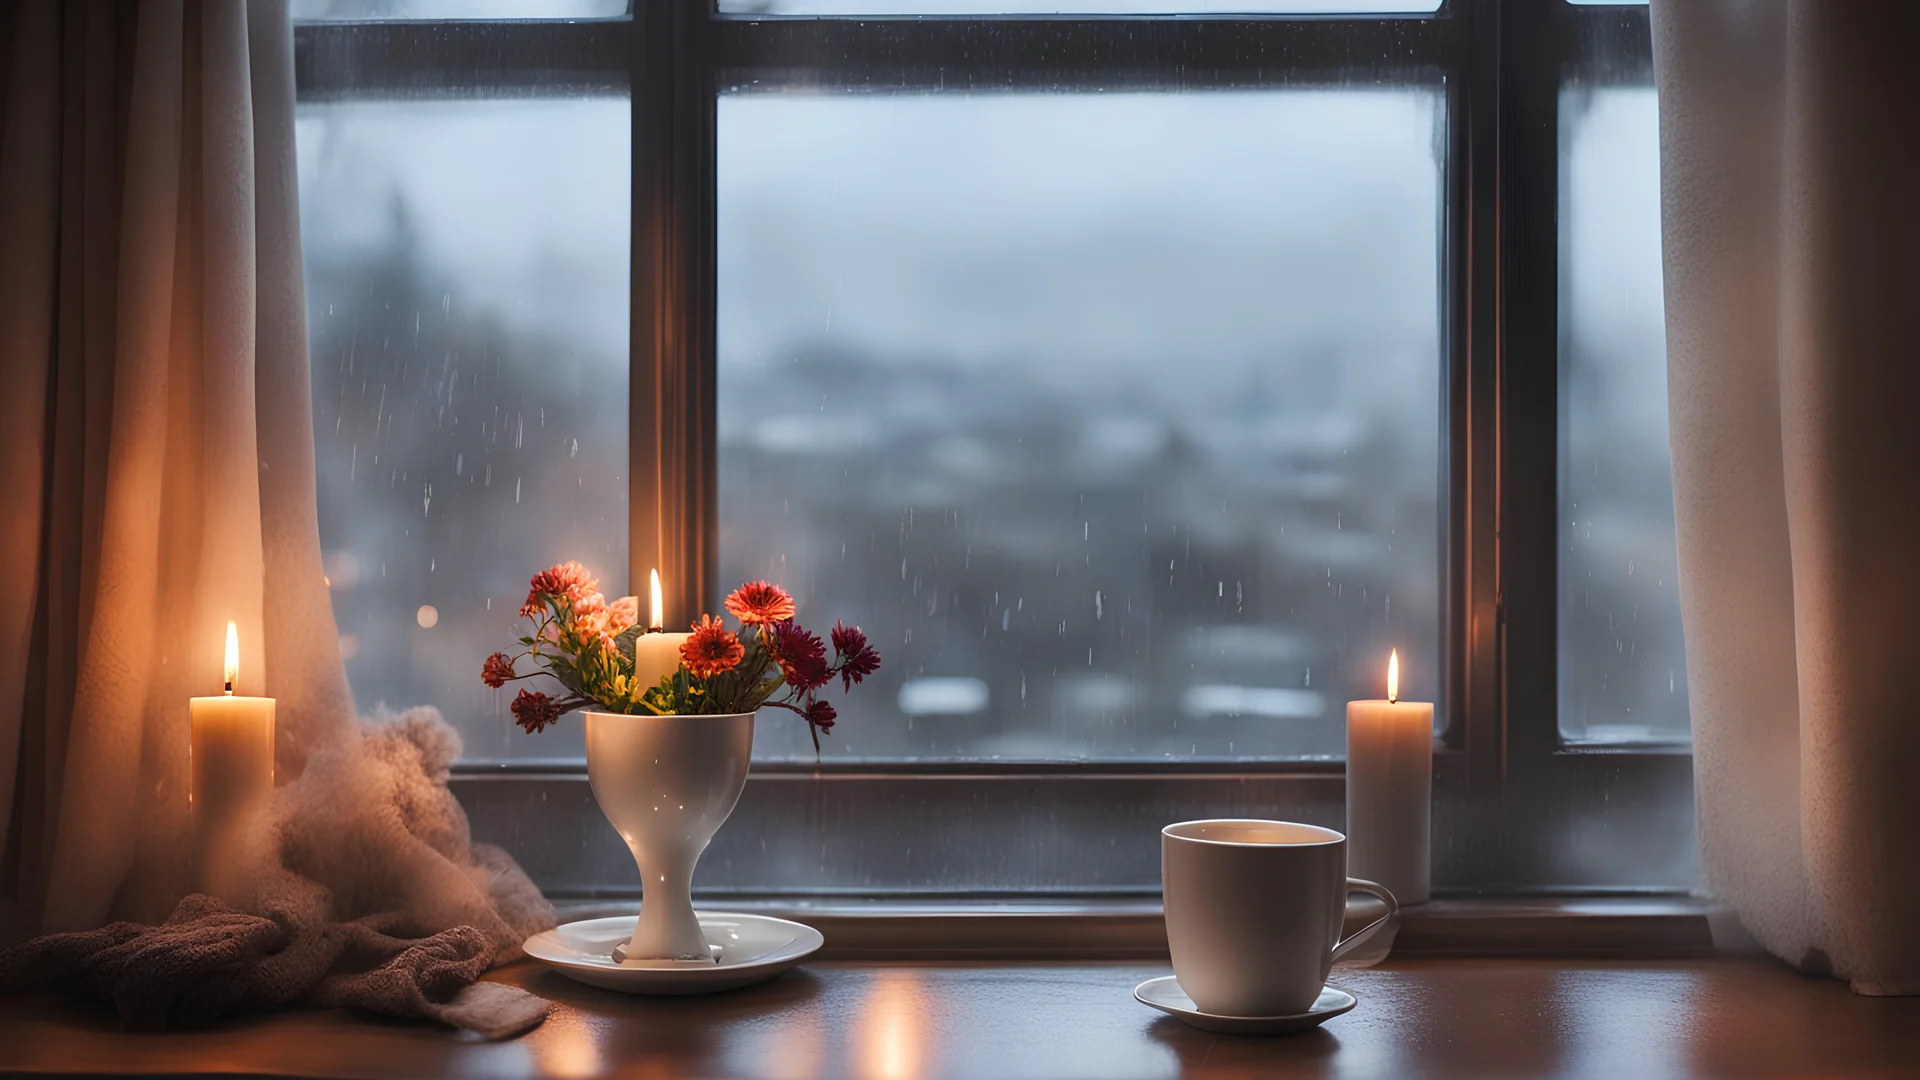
{"points": [[156, 468], [1789, 161]]}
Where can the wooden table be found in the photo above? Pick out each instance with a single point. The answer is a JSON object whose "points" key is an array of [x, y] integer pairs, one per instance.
{"points": [[1416, 1019]]}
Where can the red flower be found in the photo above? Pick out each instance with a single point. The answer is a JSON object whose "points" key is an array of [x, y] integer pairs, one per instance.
{"points": [[856, 659], [497, 670], [533, 711], [569, 579], [802, 655], [760, 603], [821, 715], [711, 650]]}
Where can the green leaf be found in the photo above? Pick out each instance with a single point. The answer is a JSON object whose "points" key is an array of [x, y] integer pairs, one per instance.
{"points": [[624, 641]]}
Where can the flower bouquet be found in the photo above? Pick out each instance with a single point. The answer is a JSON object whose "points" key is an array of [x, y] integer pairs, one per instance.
{"points": [[594, 649], [669, 721]]}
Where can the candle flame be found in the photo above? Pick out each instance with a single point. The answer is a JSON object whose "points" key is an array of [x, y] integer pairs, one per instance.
{"points": [[1393, 675], [657, 618], [233, 656]]}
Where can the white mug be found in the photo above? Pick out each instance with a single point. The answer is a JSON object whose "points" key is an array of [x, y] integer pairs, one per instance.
{"points": [[1254, 912]]}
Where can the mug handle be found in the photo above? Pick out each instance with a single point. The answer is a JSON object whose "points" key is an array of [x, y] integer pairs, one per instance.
{"points": [[1362, 935]]}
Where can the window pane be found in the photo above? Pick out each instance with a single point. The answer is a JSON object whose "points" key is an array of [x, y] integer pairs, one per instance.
{"points": [[1072, 7], [467, 277], [1113, 417], [1623, 670], [328, 10]]}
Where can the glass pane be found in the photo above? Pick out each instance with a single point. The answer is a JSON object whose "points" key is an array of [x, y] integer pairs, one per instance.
{"points": [[467, 277], [1113, 417], [1623, 669], [1073, 7], [329, 10]]}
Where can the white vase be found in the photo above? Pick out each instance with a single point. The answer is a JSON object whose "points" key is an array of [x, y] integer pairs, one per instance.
{"points": [[667, 783]]}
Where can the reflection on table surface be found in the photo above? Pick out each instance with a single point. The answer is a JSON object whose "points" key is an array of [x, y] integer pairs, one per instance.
{"points": [[1441, 1018]]}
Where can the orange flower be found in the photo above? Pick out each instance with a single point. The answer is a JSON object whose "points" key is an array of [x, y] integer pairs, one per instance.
{"points": [[760, 602], [711, 650], [622, 614]]}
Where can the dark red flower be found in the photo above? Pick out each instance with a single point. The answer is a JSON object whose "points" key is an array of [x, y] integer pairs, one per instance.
{"points": [[856, 659], [760, 603], [497, 670], [821, 715], [802, 655], [533, 711], [711, 650]]}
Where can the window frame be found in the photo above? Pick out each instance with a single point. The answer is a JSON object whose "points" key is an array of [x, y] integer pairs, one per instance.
{"points": [[1508, 790]]}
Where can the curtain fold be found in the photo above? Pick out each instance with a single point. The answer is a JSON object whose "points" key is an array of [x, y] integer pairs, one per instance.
{"points": [[157, 465], [1791, 239]]}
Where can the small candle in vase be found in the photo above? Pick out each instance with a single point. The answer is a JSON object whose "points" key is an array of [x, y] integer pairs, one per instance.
{"points": [[231, 778], [1390, 791], [656, 653]]}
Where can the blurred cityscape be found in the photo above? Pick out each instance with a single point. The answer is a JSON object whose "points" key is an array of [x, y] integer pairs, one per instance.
{"points": [[1115, 419], [1623, 661]]}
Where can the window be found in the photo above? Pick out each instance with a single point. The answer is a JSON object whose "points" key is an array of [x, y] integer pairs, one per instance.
{"points": [[1114, 417], [467, 285], [1623, 672], [1136, 373]]}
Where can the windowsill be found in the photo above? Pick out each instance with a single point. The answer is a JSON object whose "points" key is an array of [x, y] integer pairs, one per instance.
{"points": [[1621, 927], [1442, 1019]]}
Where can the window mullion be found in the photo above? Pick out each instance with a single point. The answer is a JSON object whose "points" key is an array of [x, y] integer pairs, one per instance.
{"points": [[1064, 54], [671, 438], [381, 61]]}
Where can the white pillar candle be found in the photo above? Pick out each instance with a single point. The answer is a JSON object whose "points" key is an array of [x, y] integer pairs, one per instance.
{"points": [[1390, 791], [656, 653], [231, 779]]}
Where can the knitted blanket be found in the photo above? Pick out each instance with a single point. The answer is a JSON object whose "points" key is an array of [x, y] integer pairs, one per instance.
{"points": [[364, 889], [208, 962]]}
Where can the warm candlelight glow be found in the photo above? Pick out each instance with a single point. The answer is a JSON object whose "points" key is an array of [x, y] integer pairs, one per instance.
{"points": [[890, 1040], [657, 618], [233, 656], [1393, 675]]}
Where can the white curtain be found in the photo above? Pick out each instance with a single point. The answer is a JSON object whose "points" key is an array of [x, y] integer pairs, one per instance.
{"points": [[156, 468], [1790, 190]]}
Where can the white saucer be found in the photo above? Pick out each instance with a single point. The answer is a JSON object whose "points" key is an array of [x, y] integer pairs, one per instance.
{"points": [[1165, 994], [752, 948]]}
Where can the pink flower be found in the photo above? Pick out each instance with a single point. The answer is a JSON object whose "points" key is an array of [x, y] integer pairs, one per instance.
{"points": [[497, 670], [802, 655], [820, 715], [623, 614], [856, 659], [760, 603], [590, 617], [533, 711], [711, 650], [568, 580]]}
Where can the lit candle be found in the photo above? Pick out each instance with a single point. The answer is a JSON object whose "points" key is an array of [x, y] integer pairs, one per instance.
{"points": [[1390, 791], [232, 779], [656, 653]]}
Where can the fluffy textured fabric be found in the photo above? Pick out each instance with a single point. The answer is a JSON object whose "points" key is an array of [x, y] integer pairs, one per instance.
{"points": [[369, 894], [372, 822]]}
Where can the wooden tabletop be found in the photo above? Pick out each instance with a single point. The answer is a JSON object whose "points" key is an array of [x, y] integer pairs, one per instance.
{"points": [[1416, 1019]]}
